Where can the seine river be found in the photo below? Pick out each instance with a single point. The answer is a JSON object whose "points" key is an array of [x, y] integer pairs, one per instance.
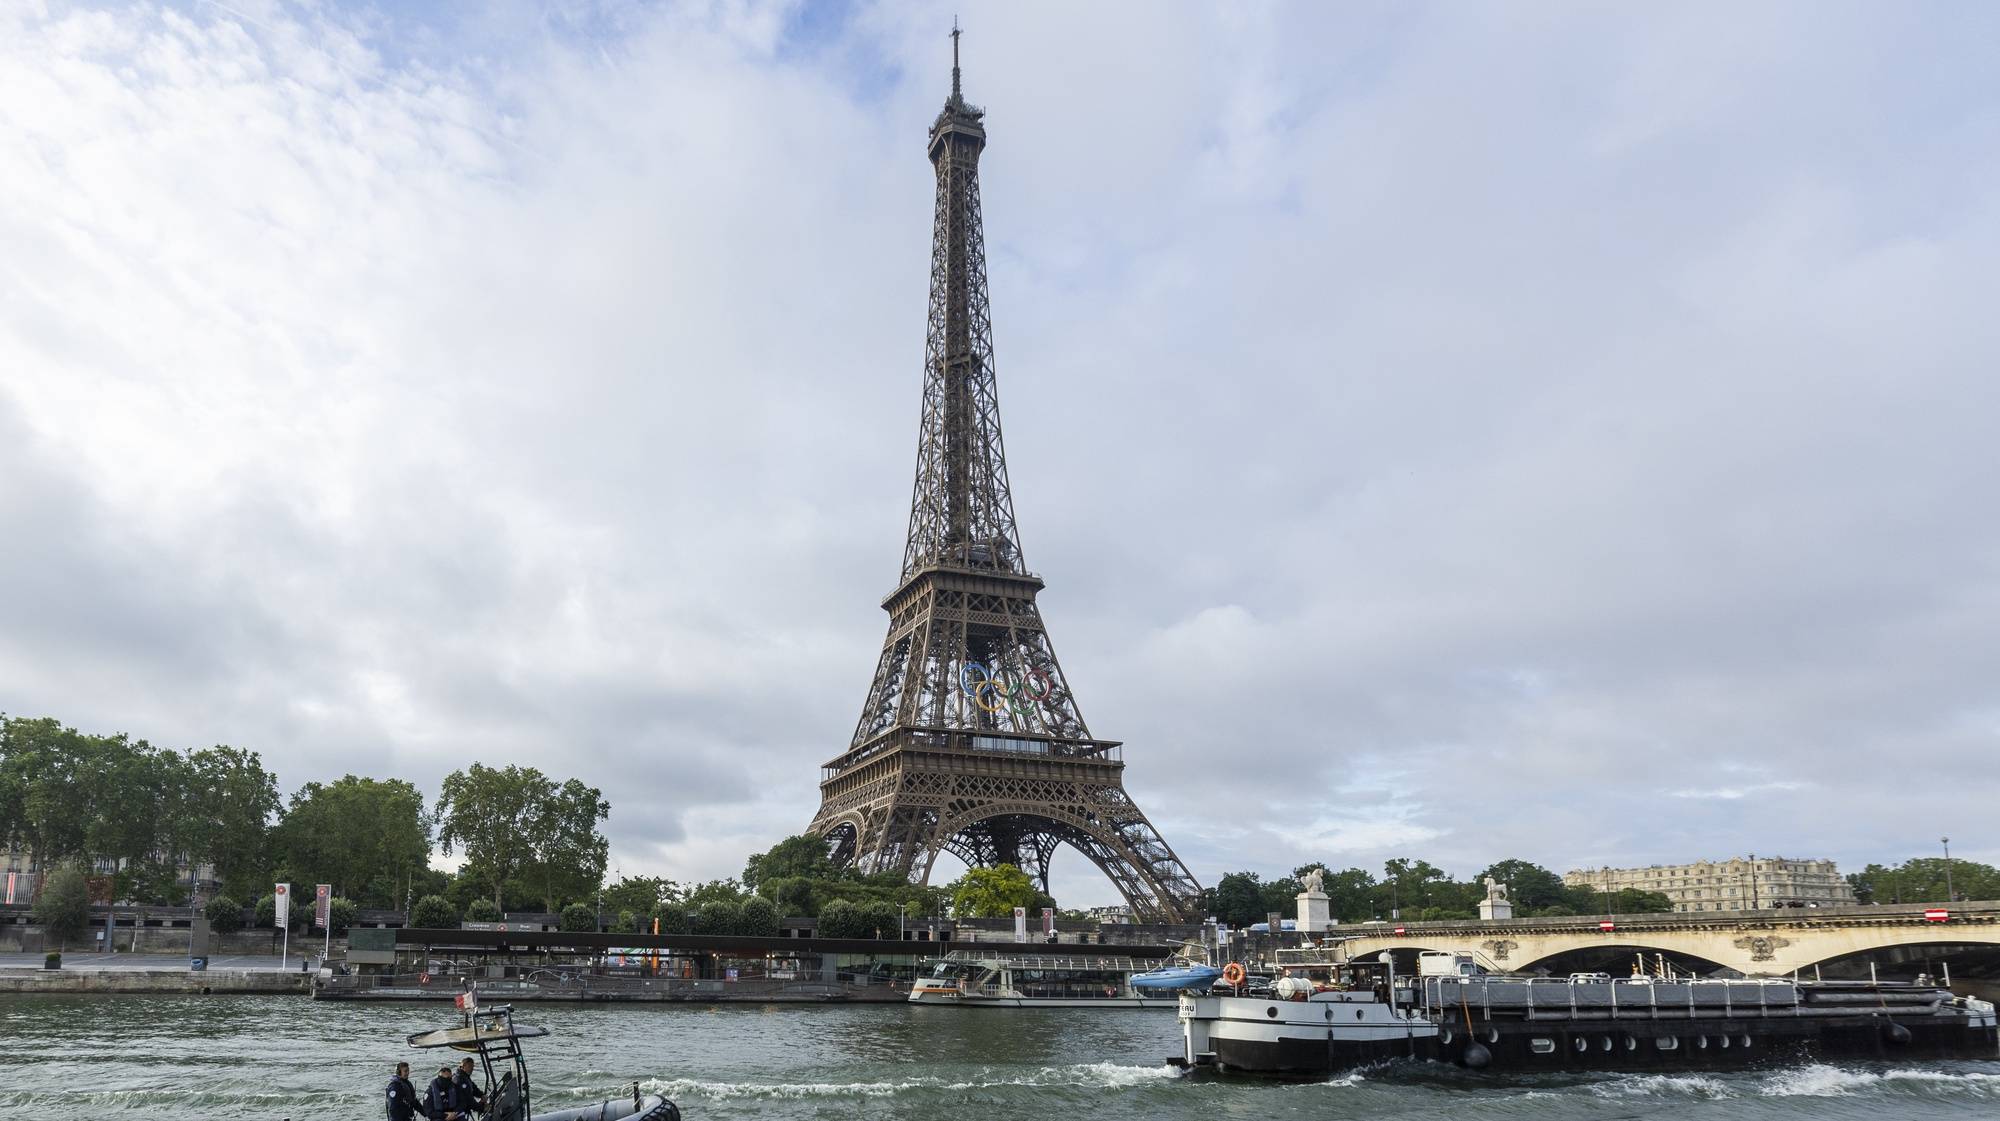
{"points": [[263, 1057]]}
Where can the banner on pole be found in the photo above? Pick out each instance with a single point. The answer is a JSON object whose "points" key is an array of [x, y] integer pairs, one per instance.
{"points": [[1049, 921], [322, 900], [1020, 924], [10, 886], [281, 907]]}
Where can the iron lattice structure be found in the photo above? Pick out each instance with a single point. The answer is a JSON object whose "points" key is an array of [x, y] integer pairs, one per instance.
{"points": [[970, 741]]}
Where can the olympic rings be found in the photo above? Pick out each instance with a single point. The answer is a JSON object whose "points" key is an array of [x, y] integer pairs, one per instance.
{"points": [[1008, 689]]}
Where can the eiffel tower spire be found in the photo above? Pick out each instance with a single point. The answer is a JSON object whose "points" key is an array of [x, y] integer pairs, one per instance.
{"points": [[970, 741]]}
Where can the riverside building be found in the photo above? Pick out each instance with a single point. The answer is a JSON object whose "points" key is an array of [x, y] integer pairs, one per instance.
{"points": [[1737, 884]]}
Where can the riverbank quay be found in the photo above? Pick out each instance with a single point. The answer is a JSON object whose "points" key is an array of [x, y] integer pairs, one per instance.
{"points": [[128, 981], [536, 965]]}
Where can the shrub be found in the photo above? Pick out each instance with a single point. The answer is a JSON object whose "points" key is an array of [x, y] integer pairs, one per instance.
{"points": [[675, 920], [877, 918], [627, 923], [758, 917], [267, 912], [433, 912], [578, 918], [340, 914], [839, 919], [225, 915], [482, 910], [64, 908], [717, 917], [52, 960]]}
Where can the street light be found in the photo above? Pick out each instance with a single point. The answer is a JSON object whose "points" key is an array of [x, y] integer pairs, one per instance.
{"points": [[1946, 842], [1753, 881]]}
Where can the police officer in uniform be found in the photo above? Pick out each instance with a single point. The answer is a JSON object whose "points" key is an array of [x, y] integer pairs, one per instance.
{"points": [[440, 1103], [402, 1095], [466, 1097]]}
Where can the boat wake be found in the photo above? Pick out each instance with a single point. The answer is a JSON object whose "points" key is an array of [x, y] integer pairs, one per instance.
{"points": [[1081, 1076]]}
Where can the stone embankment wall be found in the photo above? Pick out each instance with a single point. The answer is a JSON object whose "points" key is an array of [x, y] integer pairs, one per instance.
{"points": [[211, 982]]}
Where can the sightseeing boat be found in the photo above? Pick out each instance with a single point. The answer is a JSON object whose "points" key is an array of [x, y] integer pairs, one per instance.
{"points": [[1324, 1016], [1038, 980], [492, 1037]]}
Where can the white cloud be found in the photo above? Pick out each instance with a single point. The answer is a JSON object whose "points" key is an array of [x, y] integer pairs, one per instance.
{"points": [[1532, 418]]}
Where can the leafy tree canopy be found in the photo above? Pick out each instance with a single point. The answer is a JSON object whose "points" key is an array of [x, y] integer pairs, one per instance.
{"points": [[64, 908], [517, 823], [991, 892]]}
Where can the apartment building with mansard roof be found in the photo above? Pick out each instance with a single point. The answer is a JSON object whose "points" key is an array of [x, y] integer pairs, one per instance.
{"points": [[1736, 884]]}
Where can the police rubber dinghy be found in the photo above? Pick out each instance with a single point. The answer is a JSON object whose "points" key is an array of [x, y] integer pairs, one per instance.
{"points": [[492, 1036], [1176, 978]]}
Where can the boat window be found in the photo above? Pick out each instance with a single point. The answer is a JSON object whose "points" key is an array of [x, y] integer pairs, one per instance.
{"points": [[1746, 1041], [1582, 1044], [1667, 1043], [1541, 1046], [1604, 1044]]}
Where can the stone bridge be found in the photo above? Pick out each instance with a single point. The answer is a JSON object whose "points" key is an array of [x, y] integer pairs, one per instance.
{"points": [[1842, 941]]}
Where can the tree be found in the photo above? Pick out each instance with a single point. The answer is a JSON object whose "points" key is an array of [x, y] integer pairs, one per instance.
{"points": [[641, 895], [802, 856], [577, 918], [1238, 899], [298, 914], [355, 833], [231, 800], [714, 891], [1633, 901], [434, 912], [758, 917], [483, 910], [515, 822], [626, 923], [840, 919], [877, 918], [717, 917], [1922, 880], [225, 915], [64, 908], [675, 920], [1530, 887], [341, 913], [991, 892]]}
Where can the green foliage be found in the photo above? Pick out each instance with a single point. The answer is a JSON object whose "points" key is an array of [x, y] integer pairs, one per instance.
{"points": [[840, 919], [626, 923], [1922, 880], [357, 834], [341, 913], [758, 917], [578, 917], [52, 960], [1531, 887], [64, 908], [800, 857], [990, 892], [517, 823], [714, 891], [70, 795], [674, 919], [1237, 899], [151, 882], [267, 912], [434, 912], [717, 916], [877, 918], [641, 895], [482, 910], [225, 915], [1633, 901]]}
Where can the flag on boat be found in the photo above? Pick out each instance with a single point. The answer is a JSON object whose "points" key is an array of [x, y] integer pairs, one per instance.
{"points": [[467, 1001]]}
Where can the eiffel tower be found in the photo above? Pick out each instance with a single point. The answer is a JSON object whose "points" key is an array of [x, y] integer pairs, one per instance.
{"points": [[970, 741]]}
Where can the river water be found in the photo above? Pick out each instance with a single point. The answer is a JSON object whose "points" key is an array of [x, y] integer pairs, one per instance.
{"points": [[262, 1057]]}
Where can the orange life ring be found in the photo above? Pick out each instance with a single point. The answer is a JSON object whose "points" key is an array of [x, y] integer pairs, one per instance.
{"points": [[1233, 973]]}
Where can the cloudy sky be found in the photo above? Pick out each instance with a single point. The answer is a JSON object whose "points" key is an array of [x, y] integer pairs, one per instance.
{"points": [[1466, 431]]}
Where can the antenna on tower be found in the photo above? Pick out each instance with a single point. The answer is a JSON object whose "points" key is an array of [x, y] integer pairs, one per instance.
{"points": [[955, 33]]}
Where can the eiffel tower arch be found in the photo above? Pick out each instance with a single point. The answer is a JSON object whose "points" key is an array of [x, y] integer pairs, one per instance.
{"points": [[970, 741]]}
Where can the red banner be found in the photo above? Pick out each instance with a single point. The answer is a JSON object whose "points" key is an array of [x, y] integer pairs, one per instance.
{"points": [[322, 899], [1607, 925], [1937, 914]]}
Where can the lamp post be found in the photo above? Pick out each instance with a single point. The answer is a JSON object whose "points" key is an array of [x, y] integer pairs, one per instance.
{"points": [[1753, 881], [1946, 842]]}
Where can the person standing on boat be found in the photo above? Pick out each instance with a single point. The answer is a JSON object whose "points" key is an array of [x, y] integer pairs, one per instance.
{"points": [[465, 1096], [440, 1103], [402, 1095]]}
